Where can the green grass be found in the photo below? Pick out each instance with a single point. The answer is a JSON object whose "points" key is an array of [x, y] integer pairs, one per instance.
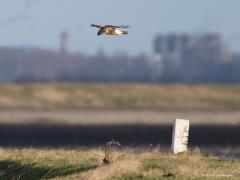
{"points": [[39, 164], [15, 169], [60, 164], [120, 96]]}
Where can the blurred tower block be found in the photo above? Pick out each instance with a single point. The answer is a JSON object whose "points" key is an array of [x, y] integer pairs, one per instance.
{"points": [[64, 46], [180, 136]]}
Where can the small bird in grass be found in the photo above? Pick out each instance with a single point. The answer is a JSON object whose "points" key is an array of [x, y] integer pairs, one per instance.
{"points": [[110, 30]]}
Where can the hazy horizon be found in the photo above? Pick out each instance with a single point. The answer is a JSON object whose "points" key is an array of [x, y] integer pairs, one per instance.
{"points": [[39, 23]]}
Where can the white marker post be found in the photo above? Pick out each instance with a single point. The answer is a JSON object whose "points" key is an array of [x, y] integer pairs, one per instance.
{"points": [[180, 136]]}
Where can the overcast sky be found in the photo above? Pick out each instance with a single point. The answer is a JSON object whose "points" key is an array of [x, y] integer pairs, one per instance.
{"points": [[39, 22]]}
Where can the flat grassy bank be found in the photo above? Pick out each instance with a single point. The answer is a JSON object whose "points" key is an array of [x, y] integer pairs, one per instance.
{"points": [[33, 164], [120, 96]]}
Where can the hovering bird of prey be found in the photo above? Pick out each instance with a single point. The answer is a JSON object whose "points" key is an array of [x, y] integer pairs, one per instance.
{"points": [[110, 30]]}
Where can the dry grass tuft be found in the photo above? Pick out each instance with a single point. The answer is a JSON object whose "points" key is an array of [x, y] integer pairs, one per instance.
{"points": [[1, 151], [122, 164], [108, 146]]}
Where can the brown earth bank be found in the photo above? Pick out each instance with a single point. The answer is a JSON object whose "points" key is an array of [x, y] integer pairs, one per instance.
{"points": [[116, 117]]}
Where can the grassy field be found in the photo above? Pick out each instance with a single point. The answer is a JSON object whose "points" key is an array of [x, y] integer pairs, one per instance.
{"points": [[120, 96], [25, 164], [61, 103]]}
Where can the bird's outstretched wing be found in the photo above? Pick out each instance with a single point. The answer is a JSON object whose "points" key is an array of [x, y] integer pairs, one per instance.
{"points": [[95, 25], [125, 26], [112, 26]]}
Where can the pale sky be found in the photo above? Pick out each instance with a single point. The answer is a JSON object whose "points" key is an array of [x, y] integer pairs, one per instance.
{"points": [[39, 22]]}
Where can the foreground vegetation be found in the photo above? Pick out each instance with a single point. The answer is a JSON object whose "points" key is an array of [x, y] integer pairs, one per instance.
{"points": [[125, 164], [119, 96]]}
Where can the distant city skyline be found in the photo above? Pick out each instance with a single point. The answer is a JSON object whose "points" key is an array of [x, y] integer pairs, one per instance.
{"points": [[39, 23]]}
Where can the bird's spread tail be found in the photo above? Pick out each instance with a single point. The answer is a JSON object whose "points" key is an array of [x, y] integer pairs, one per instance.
{"points": [[124, 32]]}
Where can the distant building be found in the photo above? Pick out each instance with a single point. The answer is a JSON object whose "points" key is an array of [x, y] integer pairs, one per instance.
{"points": [[64, 45], [191, 57], [172, 46], [177, 47]]}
